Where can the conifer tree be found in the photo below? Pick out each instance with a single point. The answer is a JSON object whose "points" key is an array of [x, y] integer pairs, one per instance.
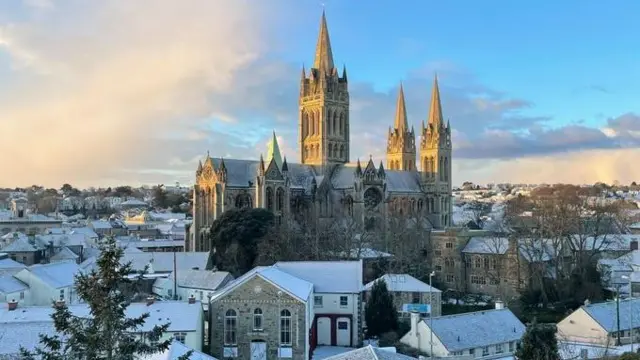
{"points": [[105, 333], [380, 313], [538, 343]]}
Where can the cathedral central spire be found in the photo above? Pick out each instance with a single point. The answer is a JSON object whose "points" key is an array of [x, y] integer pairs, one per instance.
{"points": [[324, 56], [401, 123]]}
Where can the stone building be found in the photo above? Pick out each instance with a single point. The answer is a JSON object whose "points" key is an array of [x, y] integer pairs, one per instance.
{"points": [[21, 219], [325, 185], [264, 314], [409, 294]]}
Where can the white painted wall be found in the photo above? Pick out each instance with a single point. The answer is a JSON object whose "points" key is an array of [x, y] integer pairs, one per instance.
{"points": [[26, 301], [331, 305], [580, 327], [42, 294]]}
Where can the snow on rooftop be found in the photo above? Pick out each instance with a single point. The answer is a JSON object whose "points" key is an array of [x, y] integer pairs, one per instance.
{"points": [[57, 275], [604, 313], [9, 284], [402, 283], [370, 353], [295, 286], [477, 329], [327, 276], [175, 351]]}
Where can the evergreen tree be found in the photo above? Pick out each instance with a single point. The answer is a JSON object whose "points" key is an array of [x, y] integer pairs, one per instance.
{"points": [[106, 334], [538, 343], [380, 313]]}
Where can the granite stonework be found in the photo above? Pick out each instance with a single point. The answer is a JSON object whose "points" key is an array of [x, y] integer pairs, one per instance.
{"points": [[258, 293]]}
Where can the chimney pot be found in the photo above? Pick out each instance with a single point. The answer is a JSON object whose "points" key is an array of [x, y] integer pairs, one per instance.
{"points": [[13, 304], [499, 304], [150, 300], [192, 299]]}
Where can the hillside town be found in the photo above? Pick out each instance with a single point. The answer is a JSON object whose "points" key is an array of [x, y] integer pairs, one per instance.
{"points": [[332, 257]]}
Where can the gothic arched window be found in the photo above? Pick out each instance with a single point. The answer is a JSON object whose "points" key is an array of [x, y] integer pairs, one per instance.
{"points": [[348, 204], [280, 199], [330, 150], [318, 122], [446, 169], [243, 201], [230, 327], [341, 151], [305, 125], [328, 122], [257, 319], [335, 150], [269, 198], [420, 205], [335, 121], [340, 123]]}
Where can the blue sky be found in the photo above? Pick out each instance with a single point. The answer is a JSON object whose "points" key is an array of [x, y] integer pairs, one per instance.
{"points": [[536, 91]]}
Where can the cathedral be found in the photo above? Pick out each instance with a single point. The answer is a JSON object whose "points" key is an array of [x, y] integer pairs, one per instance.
{"points": [[325, 185]]}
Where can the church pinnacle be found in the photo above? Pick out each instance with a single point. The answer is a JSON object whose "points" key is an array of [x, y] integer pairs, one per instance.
{"points": [[324, 56], [273, 151]]}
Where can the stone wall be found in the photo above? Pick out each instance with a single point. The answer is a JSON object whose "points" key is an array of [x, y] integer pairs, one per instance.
{"points": [[258, 293]]}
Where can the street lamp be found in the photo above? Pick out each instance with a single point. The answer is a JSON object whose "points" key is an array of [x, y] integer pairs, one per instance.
{"points": [[279, 317], [628, 277], [431, 313]]}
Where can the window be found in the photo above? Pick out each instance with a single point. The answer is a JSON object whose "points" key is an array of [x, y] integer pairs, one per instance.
{"points": [[494, 263], [344, 301], [415, 298], [478, 280], [317, 301], [170, 293], [512, 346], [478, 263], [61, 294], [180, 336], [21, 295], [438, 268], [285, 327], [499, 349], [230, 327], [486, 263], [472, 351], [343, 325], [493, 281], [450, 278], [257, 319], [485, 351], [448, 245], [457, 353]]}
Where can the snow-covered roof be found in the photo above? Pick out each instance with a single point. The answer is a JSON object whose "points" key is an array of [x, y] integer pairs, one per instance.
{"points": [[402, 283], [21, 327], [201, 279], [19, 243], [133, 202], [370, 353], [10, 264], [56, 275], [101, 224], [158, 261], [604, 313], [9, 284], [142, 244], [86, 231], [175, 351], [296, 287], [327, 276], [64, 255], [477, 329], [531, 250]]}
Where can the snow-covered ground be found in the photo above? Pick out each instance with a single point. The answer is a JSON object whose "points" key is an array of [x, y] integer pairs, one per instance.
{"points": [[571, 351]]}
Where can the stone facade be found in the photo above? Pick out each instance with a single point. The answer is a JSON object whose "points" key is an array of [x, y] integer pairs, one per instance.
{"points": [[325, 186], [245, 300]]}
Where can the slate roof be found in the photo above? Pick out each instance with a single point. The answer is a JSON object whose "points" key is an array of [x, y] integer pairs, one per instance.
{"points": [[370, 353], [402, 283], [56, 275], [296, 287], [9, 284], [538, 250], [604, 313], [101, 224], [86, 231], [241, 172], [64, 255], [327, 276], [200, 279], [397, 181], [20, 243], [10, 264], [477, 329]]}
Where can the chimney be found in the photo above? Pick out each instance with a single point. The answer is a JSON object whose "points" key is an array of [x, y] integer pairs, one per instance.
{"points": [[415, 319], [499, 305], [633, 245], [192, 299], [587, 302], [13, 304], [59, 303], [150, 300]]}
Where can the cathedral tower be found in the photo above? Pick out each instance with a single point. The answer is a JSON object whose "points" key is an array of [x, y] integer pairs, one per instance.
{"points": [[435, 160], [324, 108], [401, 146]]}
